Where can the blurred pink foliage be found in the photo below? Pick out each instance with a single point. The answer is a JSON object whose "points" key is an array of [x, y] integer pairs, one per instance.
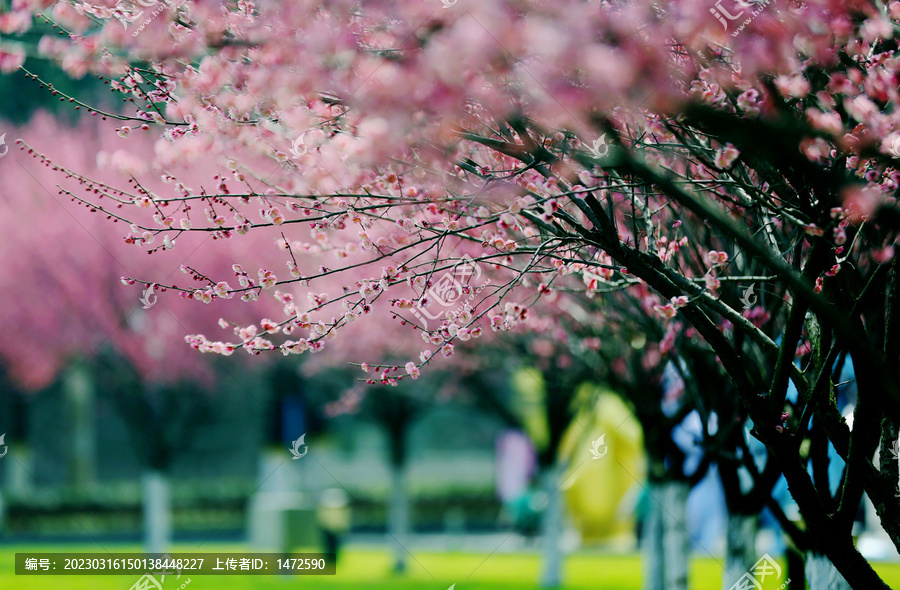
{"points": [[398, 131], [62, 267]]}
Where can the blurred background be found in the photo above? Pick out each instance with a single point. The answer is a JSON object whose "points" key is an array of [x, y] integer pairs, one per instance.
{"points": [[520, 470]]}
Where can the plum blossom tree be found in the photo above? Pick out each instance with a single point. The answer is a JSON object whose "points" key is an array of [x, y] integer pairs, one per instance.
{"points": [[629, 317], [629, 353], [561, 142], [73, 319], [550, 380]]}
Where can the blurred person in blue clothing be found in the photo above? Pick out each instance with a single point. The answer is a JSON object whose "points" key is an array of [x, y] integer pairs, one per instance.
{"points": [[846, 402], [706, 509]]}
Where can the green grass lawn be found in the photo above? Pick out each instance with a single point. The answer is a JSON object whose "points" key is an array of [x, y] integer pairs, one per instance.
{"points": [[370, 570]]}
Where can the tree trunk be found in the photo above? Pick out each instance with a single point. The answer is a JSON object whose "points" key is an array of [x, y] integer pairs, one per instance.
{"points": [[676, 546], [157, 512], [551, 529], [796, 576], [665, 537], [79, 391], [398, 517], [652, 563], [740, 547], [822, 575]]}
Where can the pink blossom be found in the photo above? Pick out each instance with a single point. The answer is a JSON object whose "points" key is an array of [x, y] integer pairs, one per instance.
{"points": [[668, 341], [717, 258], [667, 311], [883, 255], [861, 202], [387, 182], [412, 370], [747, 101], [267, 279], [840, 236], [726, 156], [507, 221], [11, 58], [19, 21], [813, 230], [792, 86], [679, 302], [877, 28], [212, 74]]}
